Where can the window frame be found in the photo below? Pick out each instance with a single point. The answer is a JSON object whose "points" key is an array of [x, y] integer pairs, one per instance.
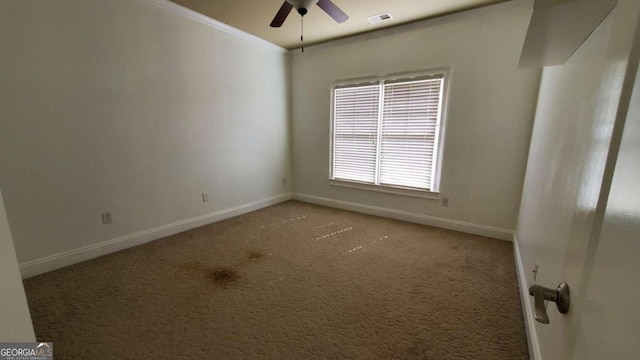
{"points": [[434, 192]]}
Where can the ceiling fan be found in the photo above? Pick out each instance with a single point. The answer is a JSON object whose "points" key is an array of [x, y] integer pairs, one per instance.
{"points": [[302, 6]]}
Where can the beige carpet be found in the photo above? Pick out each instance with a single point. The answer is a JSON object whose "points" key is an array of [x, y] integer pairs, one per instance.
{"points": [[292, 281]]}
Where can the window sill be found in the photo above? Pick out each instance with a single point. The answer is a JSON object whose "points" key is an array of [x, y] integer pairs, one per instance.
{"points": [[386, 189]]}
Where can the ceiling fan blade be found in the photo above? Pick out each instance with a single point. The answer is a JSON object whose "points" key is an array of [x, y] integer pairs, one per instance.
{"points": [[333, 10], [282, 14]]}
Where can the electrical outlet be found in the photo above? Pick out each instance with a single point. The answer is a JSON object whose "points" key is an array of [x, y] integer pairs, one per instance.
{"points": [[106, 218], [205, 197], [445, 201], [535, 272]]}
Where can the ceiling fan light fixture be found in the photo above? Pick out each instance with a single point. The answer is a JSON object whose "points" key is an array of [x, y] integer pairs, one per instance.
{"points": [[302, 5]]}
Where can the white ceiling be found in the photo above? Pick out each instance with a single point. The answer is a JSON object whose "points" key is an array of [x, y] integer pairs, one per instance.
{"points": [[254, 16]]}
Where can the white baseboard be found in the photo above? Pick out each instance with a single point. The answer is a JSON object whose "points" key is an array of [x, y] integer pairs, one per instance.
{"points": [[53, 262], [475, 229], [527, 306]]}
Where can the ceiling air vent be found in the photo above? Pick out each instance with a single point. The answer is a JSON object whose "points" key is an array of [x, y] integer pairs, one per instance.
{"points": [[379, 18]]}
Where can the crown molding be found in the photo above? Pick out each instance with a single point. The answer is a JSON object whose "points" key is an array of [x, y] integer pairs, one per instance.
{"points": [[194, 15]]}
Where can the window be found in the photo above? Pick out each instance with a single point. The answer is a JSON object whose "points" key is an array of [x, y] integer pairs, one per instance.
{"points": [[386, 132]]}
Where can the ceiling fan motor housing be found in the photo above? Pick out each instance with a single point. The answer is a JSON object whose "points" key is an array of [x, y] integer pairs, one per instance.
{"points": [[302, 6]]}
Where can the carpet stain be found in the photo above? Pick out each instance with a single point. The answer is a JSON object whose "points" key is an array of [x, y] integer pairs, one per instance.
{"points": [[256, 256], [222, 277], [219, 276]]}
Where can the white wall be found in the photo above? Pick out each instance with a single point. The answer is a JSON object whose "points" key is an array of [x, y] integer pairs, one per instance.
{"points": [[491, 107], [14, 310], [126, 107]]}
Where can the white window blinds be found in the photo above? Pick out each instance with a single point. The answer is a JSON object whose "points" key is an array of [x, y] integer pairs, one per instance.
{"points": [[387, 133], [409, 130], [356, 113]]}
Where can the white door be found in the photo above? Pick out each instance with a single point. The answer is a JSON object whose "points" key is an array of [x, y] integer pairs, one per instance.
{"points": [[609, 321], [580, 212]]}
